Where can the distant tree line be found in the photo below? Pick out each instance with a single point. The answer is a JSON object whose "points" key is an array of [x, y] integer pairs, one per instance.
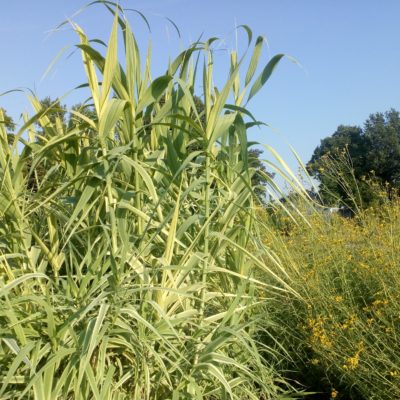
{"points": [[353, 160]]}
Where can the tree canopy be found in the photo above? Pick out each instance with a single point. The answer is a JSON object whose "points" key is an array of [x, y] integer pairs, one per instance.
{"points": [[346, 162], [8, 123]]}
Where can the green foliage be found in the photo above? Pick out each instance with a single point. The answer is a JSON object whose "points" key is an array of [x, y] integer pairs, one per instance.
{"points": [[382, 133], [128, 266], [9, 125], [261, 177], [368, 154], [54, 110]]}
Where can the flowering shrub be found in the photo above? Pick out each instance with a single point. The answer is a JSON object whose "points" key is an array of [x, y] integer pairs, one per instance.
{"points": [[342, 330]]}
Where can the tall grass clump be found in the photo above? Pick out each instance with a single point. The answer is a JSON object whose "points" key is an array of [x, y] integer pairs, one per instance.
{"points": [[342, 331], [127, 253]]}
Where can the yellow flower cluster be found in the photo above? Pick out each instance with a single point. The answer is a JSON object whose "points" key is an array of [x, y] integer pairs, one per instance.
{"points": [[319, 335], [352, 362]]}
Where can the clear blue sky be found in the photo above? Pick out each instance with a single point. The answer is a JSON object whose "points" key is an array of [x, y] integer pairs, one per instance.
{"points": [[349, 52]]}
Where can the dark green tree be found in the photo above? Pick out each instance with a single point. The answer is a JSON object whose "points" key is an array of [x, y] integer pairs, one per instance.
{"points": [[9, 124], [261, 176], [56, 109], [382, 136], [348, 161]]}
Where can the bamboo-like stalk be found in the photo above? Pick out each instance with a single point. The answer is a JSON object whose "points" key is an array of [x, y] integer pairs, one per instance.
{"points": [[141, 284]]}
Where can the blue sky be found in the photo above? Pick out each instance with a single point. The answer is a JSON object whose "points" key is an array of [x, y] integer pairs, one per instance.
{"points": [[348, 50]]}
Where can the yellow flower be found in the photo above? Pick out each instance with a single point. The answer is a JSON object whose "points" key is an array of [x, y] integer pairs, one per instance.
{"points": [[334, 394], [318, 332], [352, 362]]}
